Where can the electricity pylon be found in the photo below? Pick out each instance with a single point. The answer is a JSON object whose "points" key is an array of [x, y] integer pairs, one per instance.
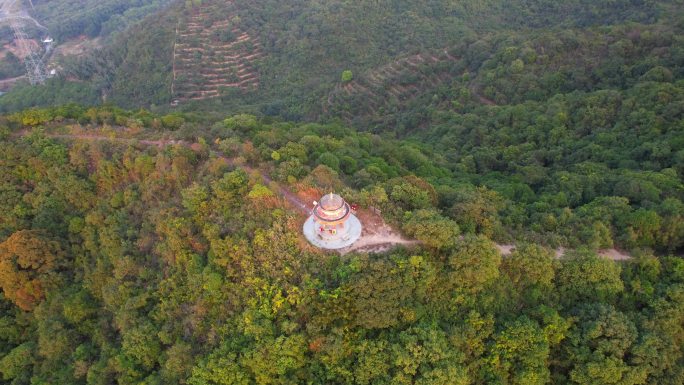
{"points": [[35, 68]]}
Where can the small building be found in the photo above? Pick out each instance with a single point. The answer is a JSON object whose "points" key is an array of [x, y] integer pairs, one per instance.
{"points": [[332, 224]]}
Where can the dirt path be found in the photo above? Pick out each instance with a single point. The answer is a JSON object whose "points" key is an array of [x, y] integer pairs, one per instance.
{"points": [[614, 254], [9, 82], [285, 193], [377, 236], [473, 90]]}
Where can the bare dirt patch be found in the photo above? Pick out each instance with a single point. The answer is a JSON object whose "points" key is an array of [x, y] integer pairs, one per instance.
{"points": [[16, 47], [77, 47], [613, 254], [377, 236]]}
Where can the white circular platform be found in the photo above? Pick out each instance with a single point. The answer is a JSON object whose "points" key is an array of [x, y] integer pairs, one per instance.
{"points": [[311, 234]]}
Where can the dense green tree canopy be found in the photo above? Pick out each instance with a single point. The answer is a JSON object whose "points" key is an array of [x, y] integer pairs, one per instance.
{"points": [[129, 262]]}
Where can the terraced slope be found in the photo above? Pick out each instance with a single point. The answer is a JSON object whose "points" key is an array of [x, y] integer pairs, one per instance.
{"points": [[398, 83], [213, 56]]}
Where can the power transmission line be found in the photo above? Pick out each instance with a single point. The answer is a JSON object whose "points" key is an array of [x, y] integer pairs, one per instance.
{"points": [[35, 68]]}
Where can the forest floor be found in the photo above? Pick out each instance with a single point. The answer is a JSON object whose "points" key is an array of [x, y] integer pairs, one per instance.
{"points": [[377, 236]]}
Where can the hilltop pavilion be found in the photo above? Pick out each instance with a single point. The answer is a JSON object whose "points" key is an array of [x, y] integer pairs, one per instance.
{"points": [[332, 225]]}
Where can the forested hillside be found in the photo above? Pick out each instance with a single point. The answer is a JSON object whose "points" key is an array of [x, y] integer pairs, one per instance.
{"points": [[70, 18], [72, 26], [157, 238], [306, 46], [138, 248]]}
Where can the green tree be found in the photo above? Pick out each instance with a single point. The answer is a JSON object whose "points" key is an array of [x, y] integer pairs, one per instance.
{"points": [[422, 355], [374, 362], [35, 117], [431, 228], [531, 269], [329, 160], [477, 211], [219, 370], [598, 348], [643, 227], [178, 364], [15, 364], [142, 345], [278, 361], [379, 296], [662, 336], [584, 276], [472, 267], [243, 123], [172, 121], [411, 193], [520, 354], [347, 76]]}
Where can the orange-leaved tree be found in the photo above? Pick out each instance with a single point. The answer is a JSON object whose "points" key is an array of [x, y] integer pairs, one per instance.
{"points": [[28, 260]]}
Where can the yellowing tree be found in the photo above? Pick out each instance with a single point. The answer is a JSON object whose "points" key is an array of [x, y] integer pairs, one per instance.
{"points": [[27, 259]]}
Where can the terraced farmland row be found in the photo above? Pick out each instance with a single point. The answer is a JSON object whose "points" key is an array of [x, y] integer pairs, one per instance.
{"points": [[399, 82], [213, 56]]}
